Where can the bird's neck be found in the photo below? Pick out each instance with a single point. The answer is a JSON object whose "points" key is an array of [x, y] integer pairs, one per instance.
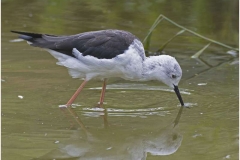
{"points": [[144, 71], [149, 67]]}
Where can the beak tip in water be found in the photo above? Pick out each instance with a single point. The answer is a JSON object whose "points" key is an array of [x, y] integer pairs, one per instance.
{"points": [[178, 95]]}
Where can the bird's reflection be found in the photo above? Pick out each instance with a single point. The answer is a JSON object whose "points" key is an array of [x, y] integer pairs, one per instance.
{"points": [[111, 143]]}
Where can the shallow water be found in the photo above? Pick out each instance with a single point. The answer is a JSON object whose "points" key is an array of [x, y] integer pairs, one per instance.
{"points": [[142, 120]]}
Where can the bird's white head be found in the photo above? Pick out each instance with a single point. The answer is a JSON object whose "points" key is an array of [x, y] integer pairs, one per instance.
{"points": [[166, 69], [163, 68]]}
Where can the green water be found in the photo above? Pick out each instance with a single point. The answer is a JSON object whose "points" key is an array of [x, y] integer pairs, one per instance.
{"points": [[139, 119]]}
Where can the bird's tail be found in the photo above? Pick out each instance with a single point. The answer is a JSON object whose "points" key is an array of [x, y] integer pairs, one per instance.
{"points": [[28, 36], [37, 39]]}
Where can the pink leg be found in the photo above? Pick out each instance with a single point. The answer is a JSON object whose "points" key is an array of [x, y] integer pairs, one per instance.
{"points": [[101, 102], [76, 117], [76, 93], [103, 92]]}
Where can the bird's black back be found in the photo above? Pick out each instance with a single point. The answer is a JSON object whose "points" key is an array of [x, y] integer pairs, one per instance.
{"points": [[104, 44]]}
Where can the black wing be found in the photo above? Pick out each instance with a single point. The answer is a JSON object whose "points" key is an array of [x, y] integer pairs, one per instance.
{"points": [[100, 44]]}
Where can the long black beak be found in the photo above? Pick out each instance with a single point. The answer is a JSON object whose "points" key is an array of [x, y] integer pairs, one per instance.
{"points": [[178, 94]]}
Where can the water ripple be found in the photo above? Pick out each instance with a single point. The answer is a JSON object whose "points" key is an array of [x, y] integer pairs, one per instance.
{"points": [[133, 86], [143, 113]]}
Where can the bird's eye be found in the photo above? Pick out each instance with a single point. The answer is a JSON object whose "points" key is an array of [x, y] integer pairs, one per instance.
{"points": [[174, 76]]}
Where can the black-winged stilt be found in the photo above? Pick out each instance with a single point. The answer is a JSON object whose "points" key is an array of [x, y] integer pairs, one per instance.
{"points": [[104, 54]]}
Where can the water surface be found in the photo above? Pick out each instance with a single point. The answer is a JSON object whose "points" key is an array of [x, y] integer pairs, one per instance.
{"points": [[142, 120]]}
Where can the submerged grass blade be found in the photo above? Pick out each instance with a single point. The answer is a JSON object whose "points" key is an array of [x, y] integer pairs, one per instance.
{"points": [[196, 55], [198, 35], [147, 44], [147, 39], [165, 44]]}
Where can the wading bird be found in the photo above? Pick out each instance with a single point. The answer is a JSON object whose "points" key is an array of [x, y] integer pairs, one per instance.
{"points": [[105, 54]]}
